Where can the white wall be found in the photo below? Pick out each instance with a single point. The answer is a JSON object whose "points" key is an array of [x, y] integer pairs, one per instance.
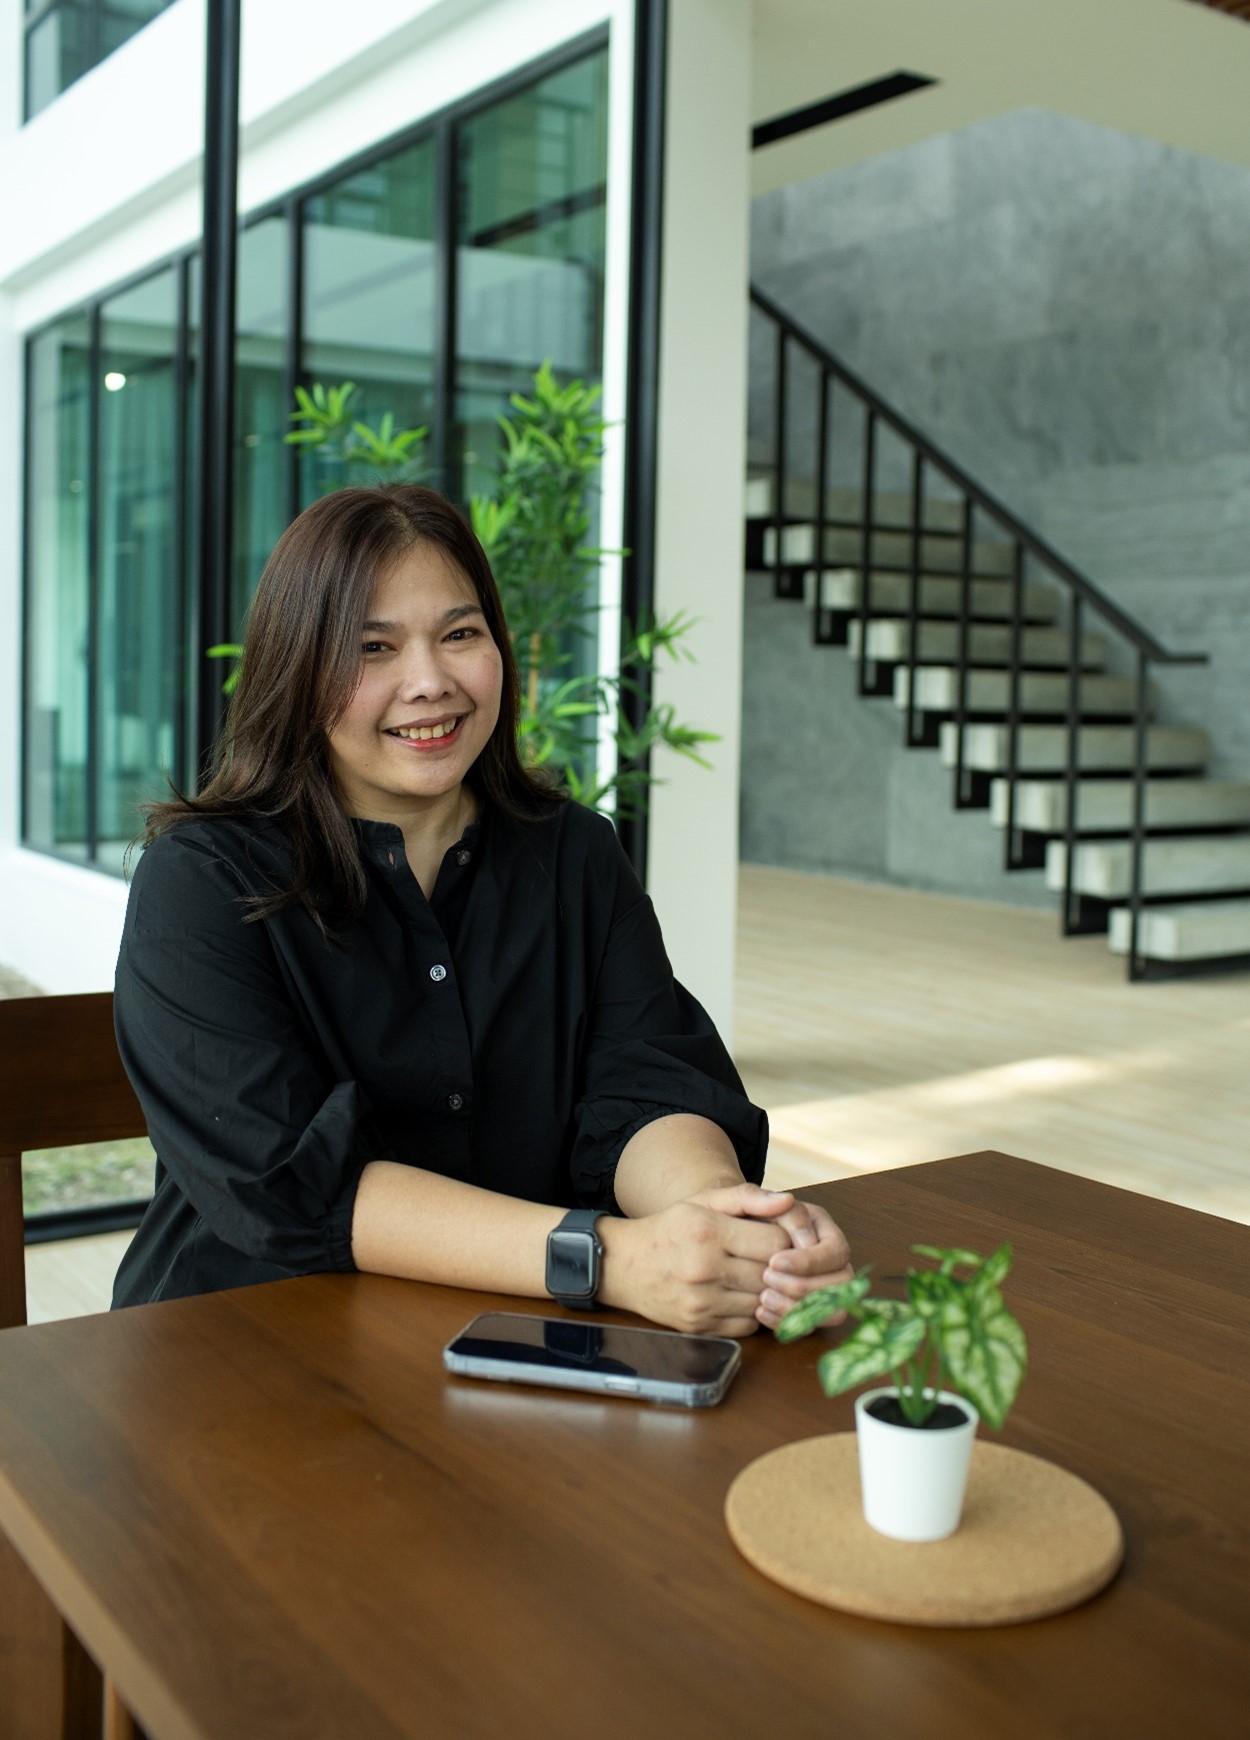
{"points": [[702, 458], [87, 201]]}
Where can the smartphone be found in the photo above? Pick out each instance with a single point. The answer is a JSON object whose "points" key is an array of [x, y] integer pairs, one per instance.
{"points": [[653, 1365]]}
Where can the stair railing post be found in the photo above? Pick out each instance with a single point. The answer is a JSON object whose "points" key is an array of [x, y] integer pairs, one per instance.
{"points": [[913, 594], [822, 504], [780, 414], [1137, 966], [867, 685], [1011, 858], [1068, 916], [963, 783]]}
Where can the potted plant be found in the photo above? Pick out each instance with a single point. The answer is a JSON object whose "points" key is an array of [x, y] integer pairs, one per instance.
{"points": [[956, 1355]]}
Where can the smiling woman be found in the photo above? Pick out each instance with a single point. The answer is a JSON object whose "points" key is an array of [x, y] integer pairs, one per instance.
{"points": [[392, 1003]]}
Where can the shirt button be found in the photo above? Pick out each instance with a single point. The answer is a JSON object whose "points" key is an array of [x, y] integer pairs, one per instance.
{"points": [[437, 973], [462, 858], [455, 1101]]}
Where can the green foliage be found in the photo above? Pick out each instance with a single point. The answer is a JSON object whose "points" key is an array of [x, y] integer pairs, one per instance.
{"points": [[228, 649], [349, 450], [948, 1333], [535, 532]]}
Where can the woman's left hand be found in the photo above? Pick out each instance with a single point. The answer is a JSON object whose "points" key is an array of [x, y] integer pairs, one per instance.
{"points": [[819, 1256]]}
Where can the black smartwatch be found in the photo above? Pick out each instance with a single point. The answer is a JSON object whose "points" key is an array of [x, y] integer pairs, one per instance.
{"points": [[574, 1258]]}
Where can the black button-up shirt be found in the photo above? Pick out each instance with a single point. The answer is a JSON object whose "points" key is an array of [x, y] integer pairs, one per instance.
{"points": [[513, 1031]]}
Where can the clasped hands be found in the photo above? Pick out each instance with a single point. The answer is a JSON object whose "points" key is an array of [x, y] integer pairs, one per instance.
{"points": [[724, 1261]]}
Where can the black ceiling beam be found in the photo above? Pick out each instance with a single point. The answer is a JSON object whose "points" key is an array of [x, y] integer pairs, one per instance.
{"points": [[840, 104]]}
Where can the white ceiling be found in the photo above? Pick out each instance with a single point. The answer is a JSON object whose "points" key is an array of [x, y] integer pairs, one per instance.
{"points": [[1165, 69]]}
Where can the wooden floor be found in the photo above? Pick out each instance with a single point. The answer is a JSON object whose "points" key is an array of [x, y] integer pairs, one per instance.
{"points": [[879, 1027]]}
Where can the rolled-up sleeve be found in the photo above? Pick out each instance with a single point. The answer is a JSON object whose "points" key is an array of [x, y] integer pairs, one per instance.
{"points": [[651, 1050], [242, 1112]]}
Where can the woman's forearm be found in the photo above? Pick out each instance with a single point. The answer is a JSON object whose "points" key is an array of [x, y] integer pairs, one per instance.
{"points": [[671, 1159], [426, 1227]]}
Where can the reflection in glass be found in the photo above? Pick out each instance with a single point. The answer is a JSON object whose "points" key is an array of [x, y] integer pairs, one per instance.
{"points": [[57, 609], [69, 37], [532, 173], [260, 407], [369, 297], [137, 661]]}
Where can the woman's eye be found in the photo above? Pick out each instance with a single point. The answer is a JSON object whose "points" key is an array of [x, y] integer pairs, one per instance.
{"points": [[462, 634], [373, 646]]}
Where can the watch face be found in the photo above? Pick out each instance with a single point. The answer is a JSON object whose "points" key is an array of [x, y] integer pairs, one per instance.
{"points": [[571, 1264]]}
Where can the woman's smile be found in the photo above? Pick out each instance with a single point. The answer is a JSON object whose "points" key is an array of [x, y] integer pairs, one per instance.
{"points": [[437, 734]]}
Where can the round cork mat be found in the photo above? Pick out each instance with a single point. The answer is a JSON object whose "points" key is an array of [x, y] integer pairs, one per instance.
{"points": [[1033, 1540]]}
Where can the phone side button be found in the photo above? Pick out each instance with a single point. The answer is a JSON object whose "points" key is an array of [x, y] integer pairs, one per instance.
{"points": [[617, 1386]]}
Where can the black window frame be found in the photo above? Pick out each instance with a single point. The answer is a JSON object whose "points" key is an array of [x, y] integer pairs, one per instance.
{"points": [[441, 127]]}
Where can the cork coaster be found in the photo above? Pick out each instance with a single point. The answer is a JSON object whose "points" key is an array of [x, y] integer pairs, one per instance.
{"points": [[1034, 1539]]}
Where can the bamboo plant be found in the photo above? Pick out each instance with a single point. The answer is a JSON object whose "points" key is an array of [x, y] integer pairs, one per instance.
{"points": [[536, 532]]}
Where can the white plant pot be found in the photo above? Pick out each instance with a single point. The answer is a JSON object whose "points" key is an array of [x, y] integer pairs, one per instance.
{"points": [[913, 1480]]}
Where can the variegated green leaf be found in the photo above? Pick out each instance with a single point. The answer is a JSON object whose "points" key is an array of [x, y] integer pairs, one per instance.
{"points": [[819, 1307], [948, 1257], [994, 1267], [877, 1346], [984, 1350]]}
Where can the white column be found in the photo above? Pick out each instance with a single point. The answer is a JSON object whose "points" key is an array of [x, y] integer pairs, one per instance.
{"points": [[693, 861]]}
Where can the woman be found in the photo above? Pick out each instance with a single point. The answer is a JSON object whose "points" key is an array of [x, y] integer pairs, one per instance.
{"points": [[391, 1004]]}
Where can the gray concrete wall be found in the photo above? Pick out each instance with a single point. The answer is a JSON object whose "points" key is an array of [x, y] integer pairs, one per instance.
{"points": [[1066, 310]]}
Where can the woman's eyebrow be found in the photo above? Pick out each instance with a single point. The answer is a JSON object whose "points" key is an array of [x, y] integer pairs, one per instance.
{"points": [[376, 625]]}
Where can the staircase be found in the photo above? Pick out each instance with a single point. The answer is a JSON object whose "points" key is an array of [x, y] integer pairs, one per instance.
{"points": [[1033, 688]]}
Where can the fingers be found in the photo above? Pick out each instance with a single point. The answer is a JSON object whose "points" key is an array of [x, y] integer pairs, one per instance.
{"points": [[829, 1251], [755, 1241], [749, 1200], [797, 1222]]}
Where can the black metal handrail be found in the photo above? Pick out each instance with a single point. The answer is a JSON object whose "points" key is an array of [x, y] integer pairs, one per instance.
{"points": [[1083, 595]]}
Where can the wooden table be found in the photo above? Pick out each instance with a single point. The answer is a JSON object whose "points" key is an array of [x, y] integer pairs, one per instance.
{"points": [[269, 1513]]}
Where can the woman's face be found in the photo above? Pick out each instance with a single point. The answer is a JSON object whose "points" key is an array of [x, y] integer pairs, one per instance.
{"points": [[429, 690]]}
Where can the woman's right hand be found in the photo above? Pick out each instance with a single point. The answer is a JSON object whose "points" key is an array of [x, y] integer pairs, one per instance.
{"points": [[698, 1265]]}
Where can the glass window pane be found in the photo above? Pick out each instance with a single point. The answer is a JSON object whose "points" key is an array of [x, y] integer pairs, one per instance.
{"points": [[120, 19], [72, 37], [57, 52], [260, 408], [369, 299], [532, 173], [54, 1179], [139, 619], [58, 484]]}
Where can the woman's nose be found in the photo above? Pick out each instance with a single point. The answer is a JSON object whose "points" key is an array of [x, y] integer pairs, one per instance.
{"points": [[424, 674]]}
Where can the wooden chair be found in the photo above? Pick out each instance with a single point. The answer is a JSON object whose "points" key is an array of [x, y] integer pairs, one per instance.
{"points": [[61, 1083]]}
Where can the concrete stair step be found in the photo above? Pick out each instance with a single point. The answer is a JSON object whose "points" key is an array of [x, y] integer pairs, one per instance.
{"points": [[1201, 930], [1044, 748], [890, 507], [1104, 804], [988, 644], [936, 688], [841, 589], [1204, 864], [938, 555]]}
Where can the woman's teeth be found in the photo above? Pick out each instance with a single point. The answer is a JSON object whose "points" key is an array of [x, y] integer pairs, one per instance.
{"points": [[423, 733]]}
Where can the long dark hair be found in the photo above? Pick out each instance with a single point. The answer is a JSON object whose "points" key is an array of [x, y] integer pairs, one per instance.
{"points": [[300, 668]]}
